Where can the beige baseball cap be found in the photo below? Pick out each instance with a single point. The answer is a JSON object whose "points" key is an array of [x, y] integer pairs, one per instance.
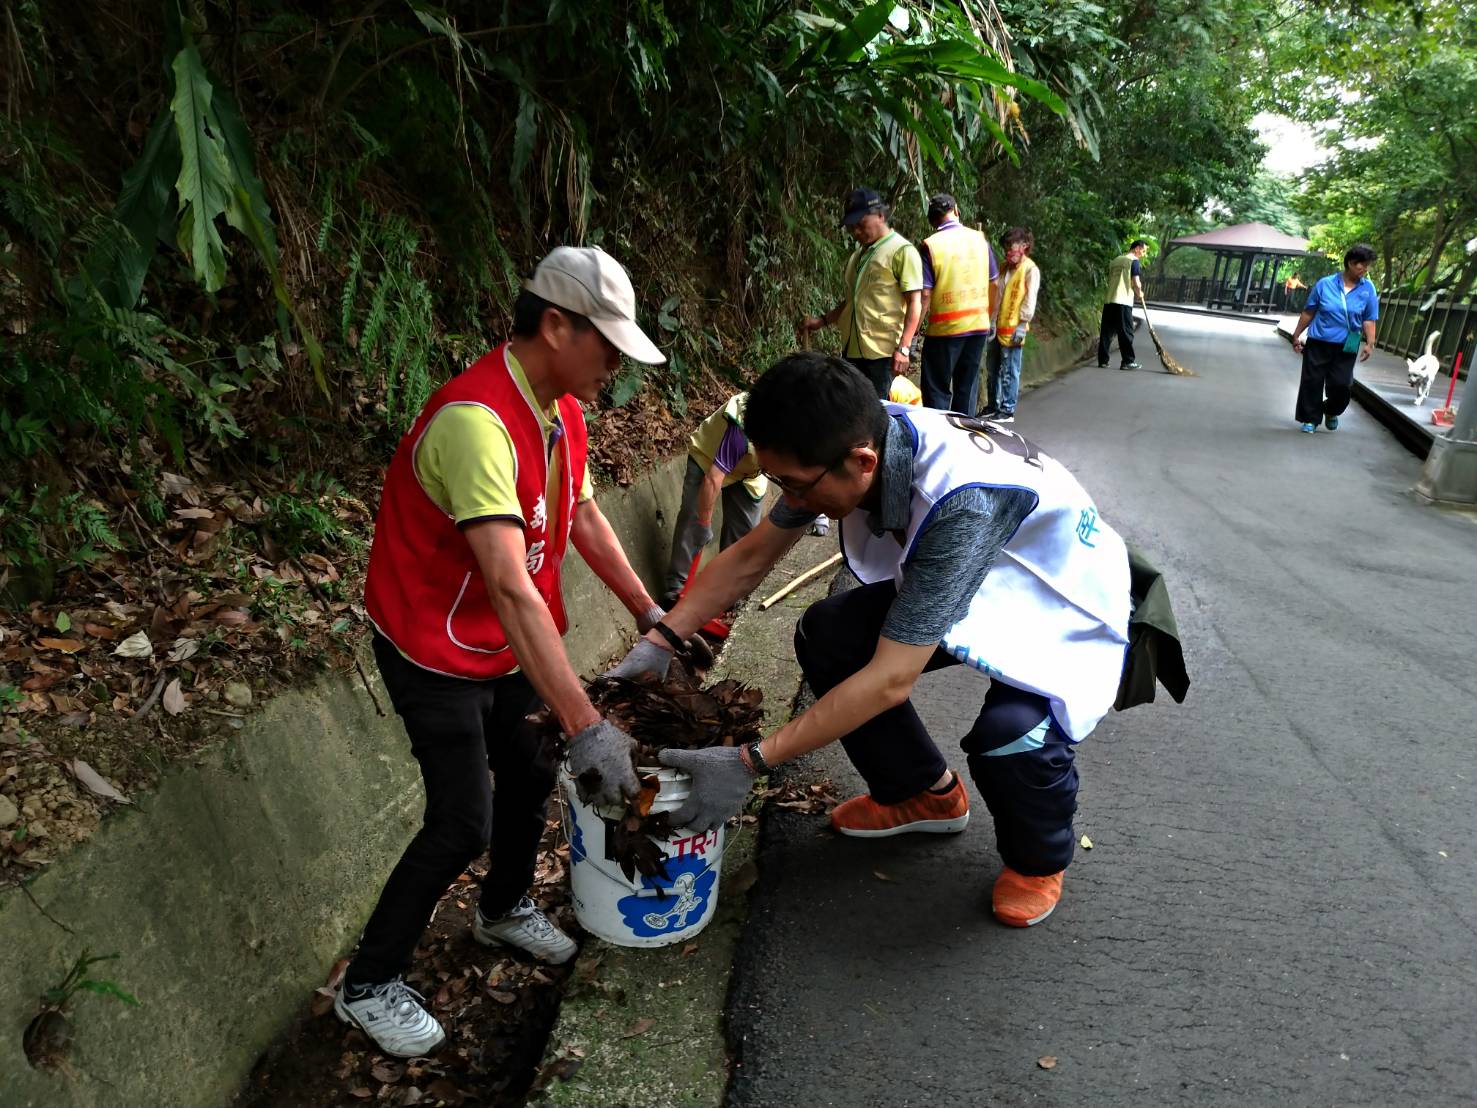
{"points": [[587, 280]]}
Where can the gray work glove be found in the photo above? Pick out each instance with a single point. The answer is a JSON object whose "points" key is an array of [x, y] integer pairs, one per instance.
{"points": [[600, 760], [649, 619], [644, 657], [704, 534], [720, 783]]}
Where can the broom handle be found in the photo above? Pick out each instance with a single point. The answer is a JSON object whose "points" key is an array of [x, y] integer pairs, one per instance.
{"points": [[775, 598], [1455, 369]]}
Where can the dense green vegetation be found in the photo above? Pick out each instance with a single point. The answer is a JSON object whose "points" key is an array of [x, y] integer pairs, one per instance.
{"points": [[255, 234]]}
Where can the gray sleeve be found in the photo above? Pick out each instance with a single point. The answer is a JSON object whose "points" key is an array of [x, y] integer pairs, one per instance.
{"points": [[950, 560], [788, 518]]}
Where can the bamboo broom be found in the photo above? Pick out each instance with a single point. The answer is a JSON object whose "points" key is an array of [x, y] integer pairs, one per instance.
{"points": [[1170, 364]]}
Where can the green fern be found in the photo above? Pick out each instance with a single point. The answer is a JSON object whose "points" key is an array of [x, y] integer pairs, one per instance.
{"points": [[347, 296]]}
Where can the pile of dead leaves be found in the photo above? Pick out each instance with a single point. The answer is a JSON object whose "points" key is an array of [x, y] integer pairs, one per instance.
{"points": [[147, 651], [659, 714], [496, 1005]]}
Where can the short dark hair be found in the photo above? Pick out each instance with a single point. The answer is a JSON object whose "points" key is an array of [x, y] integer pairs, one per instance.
{"points": [[1359, 252], [814, 407], [528, 313], [1020, 235], [941, 204], [1136, 243]]}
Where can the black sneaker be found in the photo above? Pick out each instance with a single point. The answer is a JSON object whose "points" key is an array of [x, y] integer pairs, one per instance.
{"points": [[1130, 365], [987, 413], [1102, 365]]}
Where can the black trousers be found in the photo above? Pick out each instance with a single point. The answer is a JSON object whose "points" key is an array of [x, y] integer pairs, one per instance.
{"points": [[1117, 322], [1030, 790], [459, 730], [876, 370], [951, 372], [1327, 381]]}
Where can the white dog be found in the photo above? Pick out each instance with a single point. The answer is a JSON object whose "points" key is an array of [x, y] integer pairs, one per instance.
{"points": [[1423, 370]]}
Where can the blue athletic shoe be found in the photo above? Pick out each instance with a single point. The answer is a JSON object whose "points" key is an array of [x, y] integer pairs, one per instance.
{"points": [[1332, 423], [1309, 428]]}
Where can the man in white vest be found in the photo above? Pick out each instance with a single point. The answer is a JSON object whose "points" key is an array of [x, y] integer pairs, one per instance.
{"points": [[972, 547]]}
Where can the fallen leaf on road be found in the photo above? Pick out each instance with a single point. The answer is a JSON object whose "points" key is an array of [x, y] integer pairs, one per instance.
{"points": [[184, 649], [640, 1027], [388, 1072], [66, 646], [95, 781], [690, 948], [877, 873], [1048, 1062], [137, 645], [174, 698], [1085, 843]]}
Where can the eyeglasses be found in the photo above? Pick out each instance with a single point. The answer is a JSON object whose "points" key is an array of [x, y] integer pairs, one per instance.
{"points": [[788, 485]]}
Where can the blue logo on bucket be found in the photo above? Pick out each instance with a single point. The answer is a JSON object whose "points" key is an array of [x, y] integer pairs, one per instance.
{"points": [[576, 837], [687, 888]]}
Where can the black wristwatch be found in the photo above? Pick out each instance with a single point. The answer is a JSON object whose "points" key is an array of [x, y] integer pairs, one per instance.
{"points": [[673, 639], [756, 759]]}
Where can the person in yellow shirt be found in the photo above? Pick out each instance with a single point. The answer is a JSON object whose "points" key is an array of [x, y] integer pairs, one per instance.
{"points": [[1125, 284], [883, 282], [720, 464]]}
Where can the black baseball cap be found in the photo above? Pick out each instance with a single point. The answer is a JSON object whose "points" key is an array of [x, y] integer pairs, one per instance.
{"points": [[939, 204], [862, 202]]}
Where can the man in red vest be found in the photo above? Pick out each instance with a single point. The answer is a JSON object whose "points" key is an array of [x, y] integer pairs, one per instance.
{"points": [[480, 502]]}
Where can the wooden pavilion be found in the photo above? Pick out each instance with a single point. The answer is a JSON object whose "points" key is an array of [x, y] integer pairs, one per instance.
{"points": [[1256, 253]]}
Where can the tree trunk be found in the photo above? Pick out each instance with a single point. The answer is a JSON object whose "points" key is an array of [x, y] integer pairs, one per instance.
{"points": [[1444, 229]]}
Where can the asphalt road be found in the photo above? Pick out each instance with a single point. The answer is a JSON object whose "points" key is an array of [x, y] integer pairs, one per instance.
{"points": [[1280, 906]]}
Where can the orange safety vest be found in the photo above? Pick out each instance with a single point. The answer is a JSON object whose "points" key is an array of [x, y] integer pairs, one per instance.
{"points": [[960, 304]]}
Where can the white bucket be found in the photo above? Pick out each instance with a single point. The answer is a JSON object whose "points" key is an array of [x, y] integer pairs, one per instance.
{"points": [[650, 911]]}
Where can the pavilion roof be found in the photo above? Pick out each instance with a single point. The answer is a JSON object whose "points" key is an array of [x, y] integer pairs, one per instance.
{"points": [[1246, 238]]}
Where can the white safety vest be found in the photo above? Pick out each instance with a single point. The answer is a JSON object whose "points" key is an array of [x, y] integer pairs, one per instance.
{"points": [[1051, 616]]}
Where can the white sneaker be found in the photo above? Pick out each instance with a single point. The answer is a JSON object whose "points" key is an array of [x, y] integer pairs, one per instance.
{"points": [[821, 526], [394, 1016], [528, 929]]}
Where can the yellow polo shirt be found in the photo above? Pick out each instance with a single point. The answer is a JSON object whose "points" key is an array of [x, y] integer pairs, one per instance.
{"points": [[466, 464], [876, 279]]}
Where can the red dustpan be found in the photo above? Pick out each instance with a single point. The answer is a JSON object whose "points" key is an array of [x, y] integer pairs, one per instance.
{"points": [[717, 628], [1445, 416]]}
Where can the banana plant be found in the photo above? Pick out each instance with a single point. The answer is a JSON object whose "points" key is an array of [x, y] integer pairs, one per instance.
{"points": [[198, 166]]}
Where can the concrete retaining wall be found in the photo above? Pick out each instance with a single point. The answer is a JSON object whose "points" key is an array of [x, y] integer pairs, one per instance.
{"points": [[229, 891]]}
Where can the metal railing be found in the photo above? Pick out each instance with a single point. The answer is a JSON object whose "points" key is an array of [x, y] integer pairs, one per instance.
{"points": [[1207, 291], [1407, 321]]}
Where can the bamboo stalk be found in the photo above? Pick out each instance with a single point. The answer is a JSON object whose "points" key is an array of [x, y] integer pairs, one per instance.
{"points": [[774, 598]]}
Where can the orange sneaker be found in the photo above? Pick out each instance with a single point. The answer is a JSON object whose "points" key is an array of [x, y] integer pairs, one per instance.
{"points": [[940, 813], [1021, 901]]}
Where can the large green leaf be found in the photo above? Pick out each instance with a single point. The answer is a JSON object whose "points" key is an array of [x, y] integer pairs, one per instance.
{"points": [[204, 183], [851, 41], [143, 215], [248, 191]]}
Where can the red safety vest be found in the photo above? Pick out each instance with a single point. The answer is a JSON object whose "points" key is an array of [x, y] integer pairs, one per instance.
{"points": [[424, 590]]}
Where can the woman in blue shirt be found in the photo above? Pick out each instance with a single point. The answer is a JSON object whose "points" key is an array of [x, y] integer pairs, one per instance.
{"points": [[1339, 318]]}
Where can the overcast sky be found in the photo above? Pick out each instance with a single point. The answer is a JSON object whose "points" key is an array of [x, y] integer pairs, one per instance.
{"points": [[1291, 146]]}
